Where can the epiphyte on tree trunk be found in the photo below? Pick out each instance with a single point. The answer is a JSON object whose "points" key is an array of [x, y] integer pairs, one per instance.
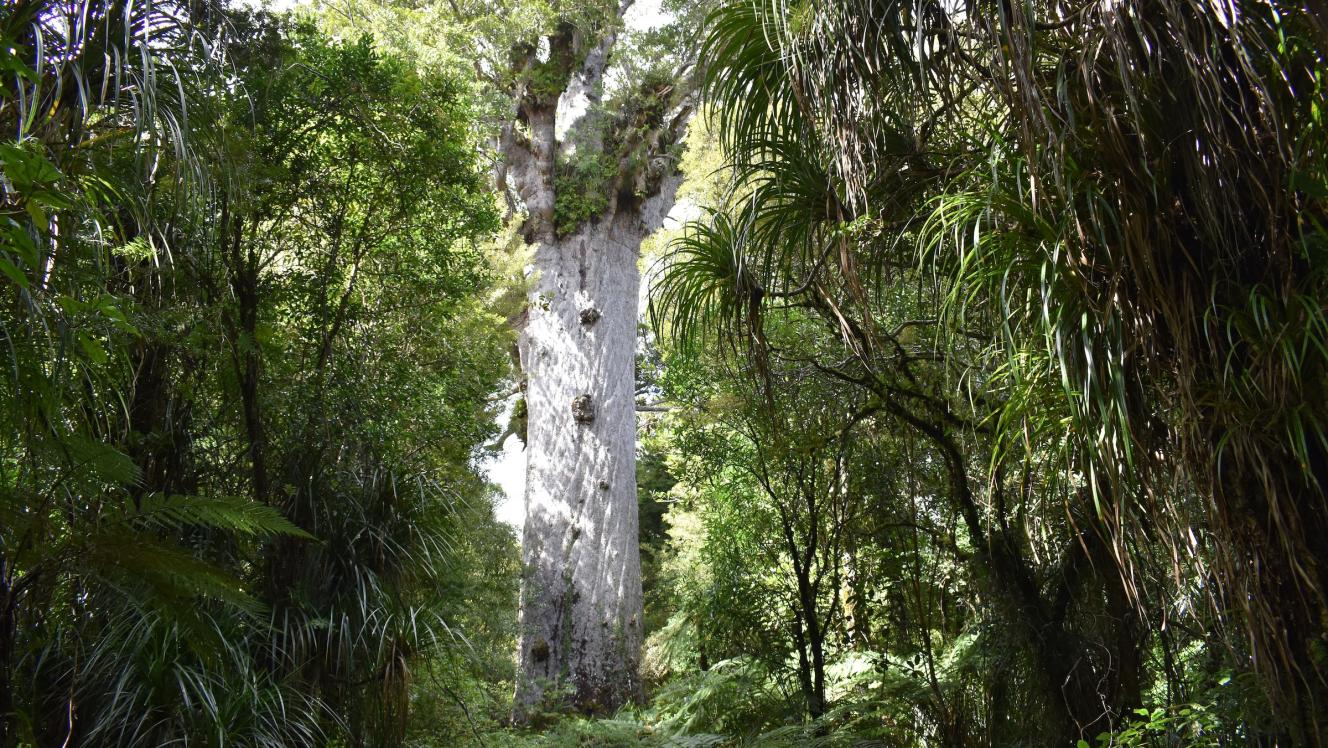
{"points": [[582, 409], [589, 316]]}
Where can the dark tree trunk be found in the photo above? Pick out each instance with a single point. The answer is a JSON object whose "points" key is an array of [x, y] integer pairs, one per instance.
{"points": [[8, 722]]}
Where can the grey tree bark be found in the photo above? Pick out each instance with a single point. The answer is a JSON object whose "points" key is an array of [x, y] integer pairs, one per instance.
{"points": [[580, 621]]}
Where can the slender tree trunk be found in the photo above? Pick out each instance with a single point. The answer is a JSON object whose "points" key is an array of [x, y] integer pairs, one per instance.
{"points": [[804, 666], [857, 604], [816, 643], [8, 723], [807, 629]]}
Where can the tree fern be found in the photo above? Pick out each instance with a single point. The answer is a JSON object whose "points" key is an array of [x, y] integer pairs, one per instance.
{"points": [[230, 513]]}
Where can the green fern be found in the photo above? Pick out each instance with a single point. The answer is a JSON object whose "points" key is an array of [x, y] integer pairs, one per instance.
{"points": [[230, 513]]}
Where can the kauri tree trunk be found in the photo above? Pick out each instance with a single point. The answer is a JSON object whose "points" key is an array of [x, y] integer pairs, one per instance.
{"points": [[581, 595], [580, 629]]}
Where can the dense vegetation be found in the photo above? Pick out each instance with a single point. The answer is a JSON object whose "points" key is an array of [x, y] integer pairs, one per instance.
{"points": [[1032, 306], [234, 470], [982, 404]]}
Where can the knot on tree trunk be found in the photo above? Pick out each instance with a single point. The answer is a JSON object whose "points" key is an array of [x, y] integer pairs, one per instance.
{"points": [[582, 409], [589, 316]]}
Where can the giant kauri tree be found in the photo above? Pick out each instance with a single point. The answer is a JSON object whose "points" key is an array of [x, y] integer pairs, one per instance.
{"points": [[594, 174]]}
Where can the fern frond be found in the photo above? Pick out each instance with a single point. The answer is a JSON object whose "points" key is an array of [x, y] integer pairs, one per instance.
{"points": [[167, 575], [232, 513]]}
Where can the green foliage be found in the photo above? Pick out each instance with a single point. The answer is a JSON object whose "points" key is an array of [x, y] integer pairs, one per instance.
{"points": [[1093, 346], [1189, 724], [249, 375], [991, 369], [583, 185], [734, 698], [231, 514], [546, 80]]}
